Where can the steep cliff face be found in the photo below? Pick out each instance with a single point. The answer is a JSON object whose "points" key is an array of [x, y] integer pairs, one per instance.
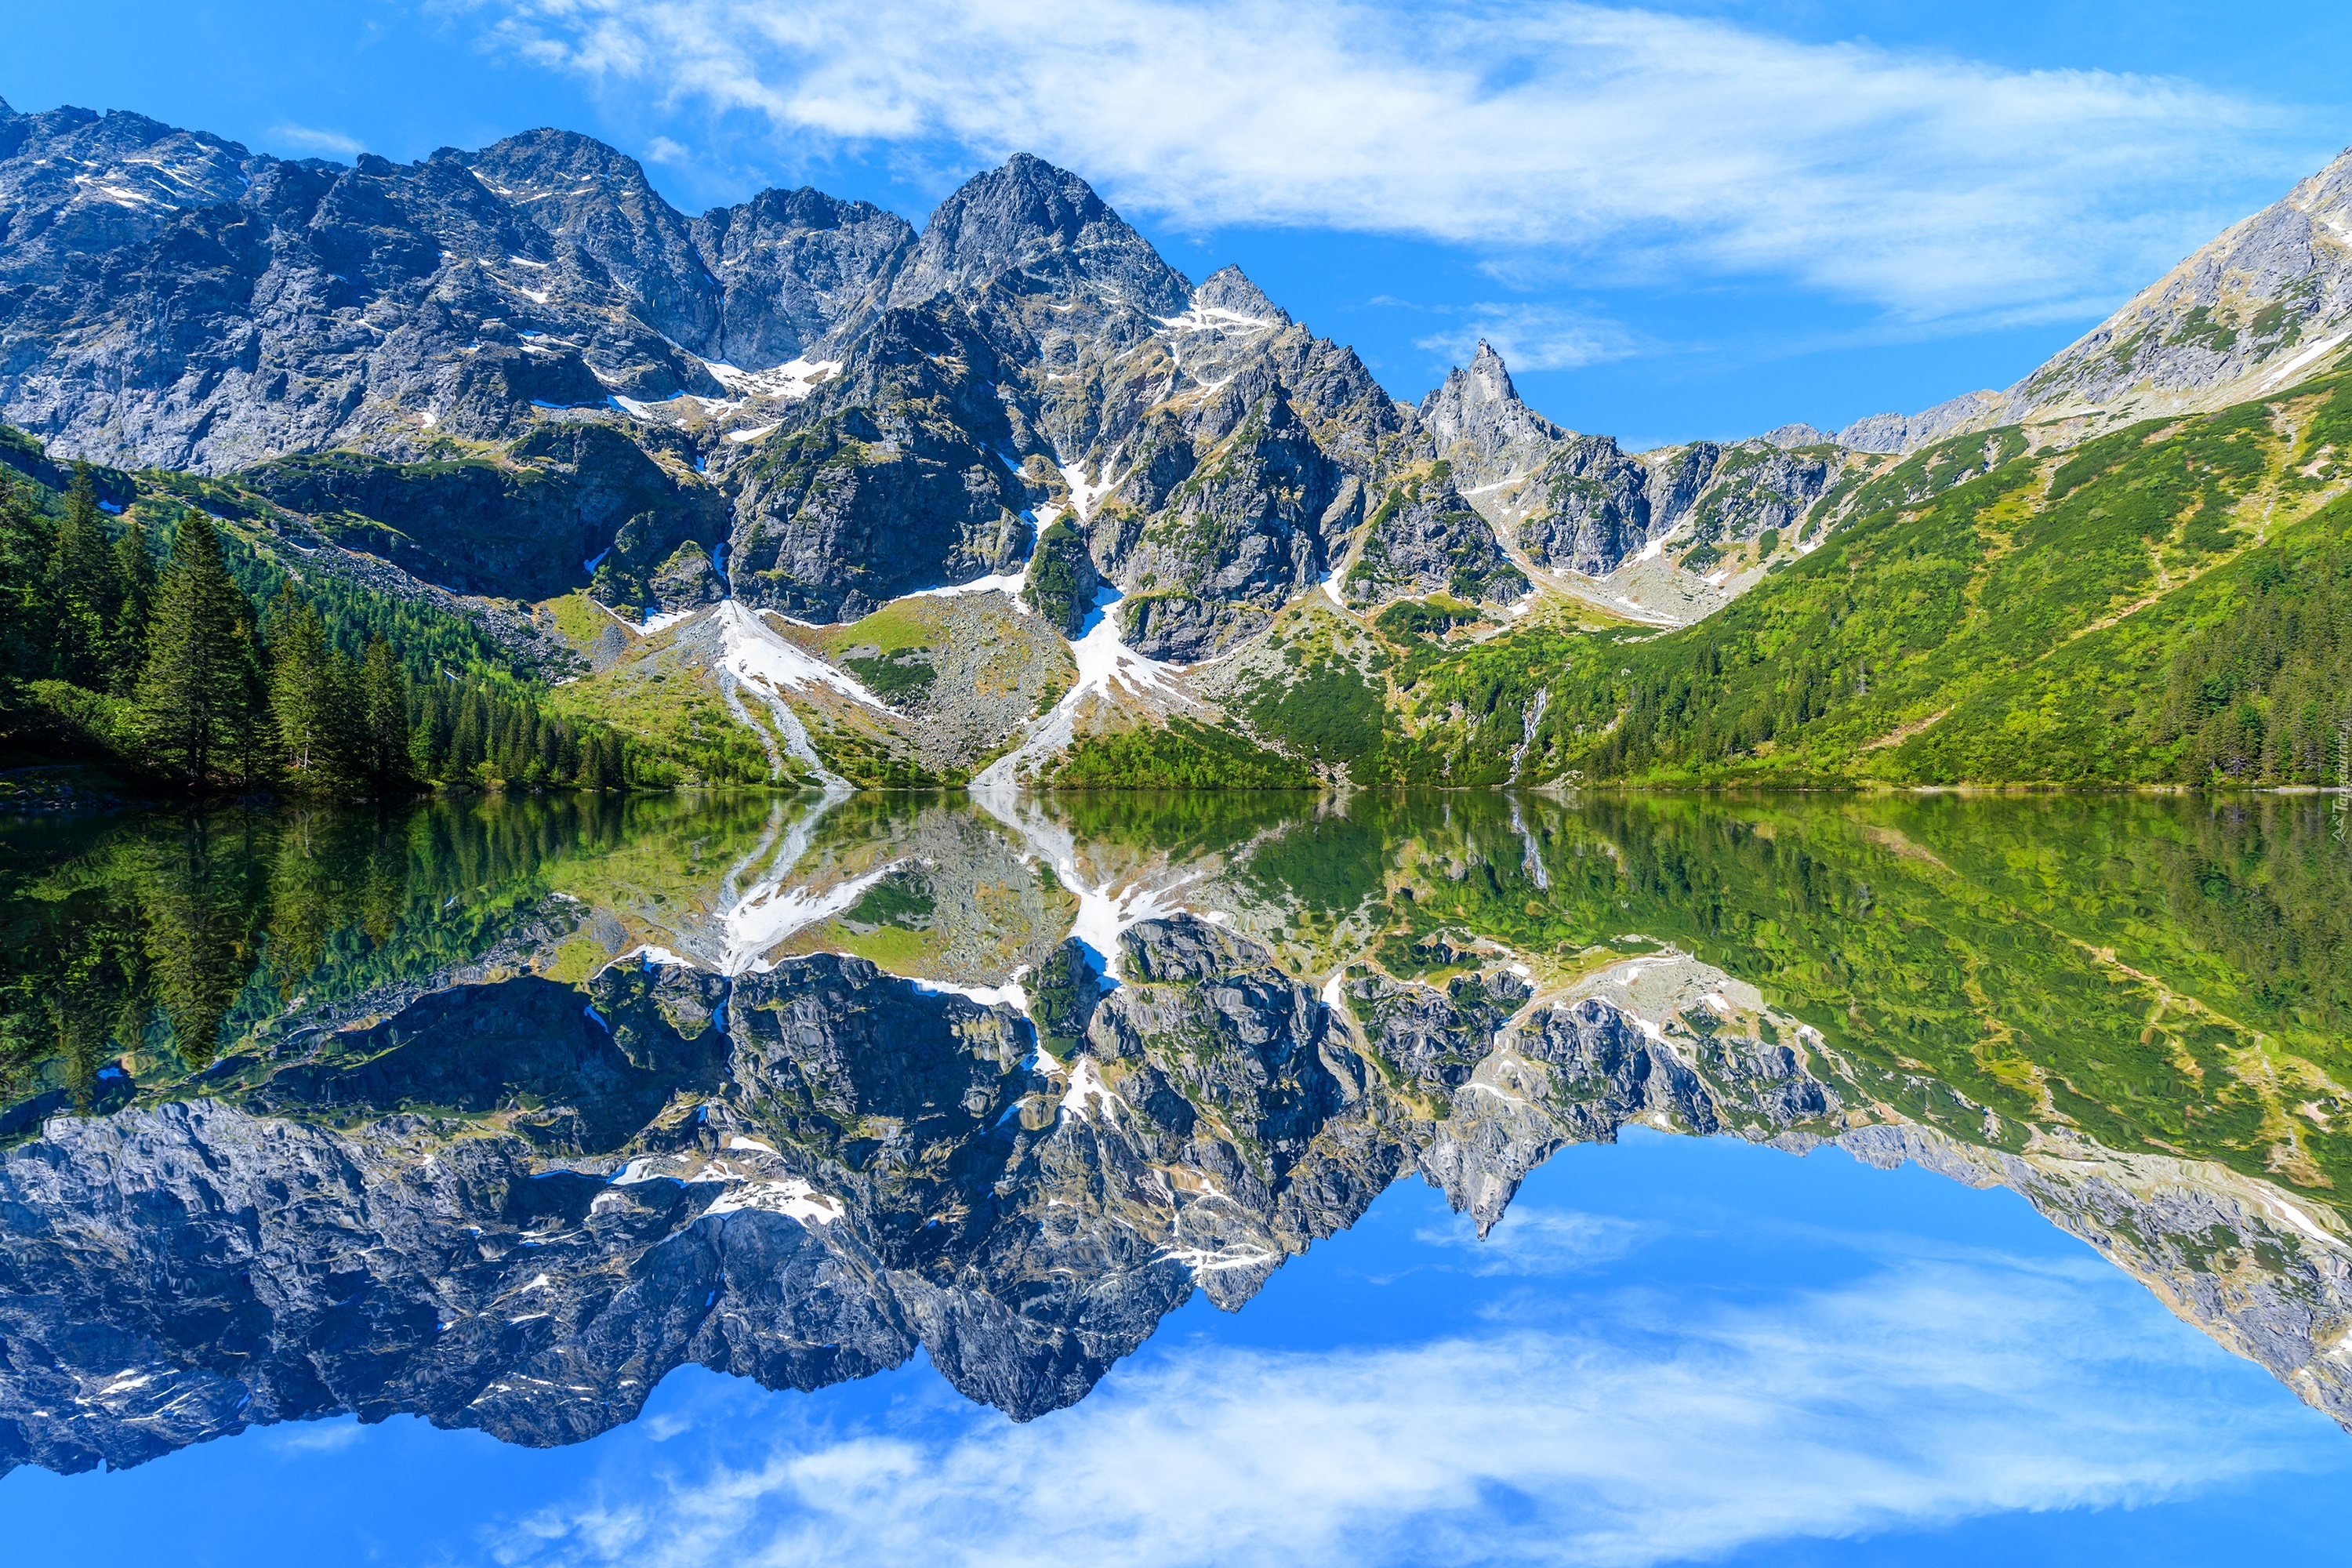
{"points": [[887, 479], [1479, 425], [1424, 538], [1599, 508], [794, 266]]}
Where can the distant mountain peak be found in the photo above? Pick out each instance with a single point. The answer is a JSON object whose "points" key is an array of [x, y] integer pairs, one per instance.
{"points": [[1230, 288], [1480, 424], [1487, 371], [1029, 217]]}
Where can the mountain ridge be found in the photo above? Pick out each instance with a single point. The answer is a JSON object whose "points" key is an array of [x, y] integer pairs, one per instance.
{"points": [[518, 375]]}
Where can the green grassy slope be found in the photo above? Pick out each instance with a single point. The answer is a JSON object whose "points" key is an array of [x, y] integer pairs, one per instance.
{"points": [[2169, 603]]}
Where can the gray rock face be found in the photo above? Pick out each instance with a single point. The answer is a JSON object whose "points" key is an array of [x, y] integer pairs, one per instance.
{"points": [[889, 479], [1754, 486], [1576, 1073], [1238, 529], [1480, 426], [585, 195], [1909, 432], [1030, 227], [1583, 504], [794, 268], [185, 304], [524, 528], [275, 309], [1601, 507], [1424, 537], [2214, 1249]]}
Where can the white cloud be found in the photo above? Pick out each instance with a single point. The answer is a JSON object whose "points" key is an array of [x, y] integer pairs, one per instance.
{"points": [[321, 1437], [311, 138], [1533, 1240], [1616, 1435], [661, 149], [1930, 186], [1531, 337]]}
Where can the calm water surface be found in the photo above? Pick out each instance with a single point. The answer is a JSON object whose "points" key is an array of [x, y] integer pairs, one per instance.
{"points": [[1616, 1179]]}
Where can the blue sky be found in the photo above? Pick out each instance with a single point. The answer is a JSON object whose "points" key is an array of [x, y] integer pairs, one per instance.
{"points": [[1697, 219], [1671, 1349]]}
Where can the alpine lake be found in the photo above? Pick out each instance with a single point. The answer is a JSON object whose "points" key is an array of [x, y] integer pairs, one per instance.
{"points": [[1491, 1178]]}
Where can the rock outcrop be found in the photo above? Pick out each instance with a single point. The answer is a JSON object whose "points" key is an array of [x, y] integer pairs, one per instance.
{"points": [[1424, 538], [1479, 425]]}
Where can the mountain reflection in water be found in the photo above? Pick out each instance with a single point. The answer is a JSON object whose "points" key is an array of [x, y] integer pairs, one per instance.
{"points": [[498, 1111]]}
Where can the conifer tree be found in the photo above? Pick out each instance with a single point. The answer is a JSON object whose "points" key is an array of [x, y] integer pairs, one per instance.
{"points": [[197, 692], [383, 719], [23, 579], [302, 695], [135, 570], [84, 590]]}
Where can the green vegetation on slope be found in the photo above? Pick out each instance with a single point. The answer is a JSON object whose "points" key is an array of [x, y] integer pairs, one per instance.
{"points": [[217, 667], [2164, 604], [1182, 755]]}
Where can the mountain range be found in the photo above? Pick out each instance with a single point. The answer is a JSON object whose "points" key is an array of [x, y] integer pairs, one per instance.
{"points": [[1009, 498]]}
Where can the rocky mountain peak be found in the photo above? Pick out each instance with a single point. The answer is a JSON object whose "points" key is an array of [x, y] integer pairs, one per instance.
{"points": [[1480, 426], [75, 184], [547, 161], [1030, 218], [796, 266], [1489, 376], [1228, 289], [2327, 193], [579, 189]]}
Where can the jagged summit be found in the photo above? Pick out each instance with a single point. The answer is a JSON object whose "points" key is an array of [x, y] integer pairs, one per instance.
{"points": [[1787, 437], [795, 266], [1487, 377], [1030, 218], [1480, 424], [581, 190], [1228, 289]]}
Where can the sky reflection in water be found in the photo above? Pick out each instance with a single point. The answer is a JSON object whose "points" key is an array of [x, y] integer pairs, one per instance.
{"points": [[1670, 1348]]}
